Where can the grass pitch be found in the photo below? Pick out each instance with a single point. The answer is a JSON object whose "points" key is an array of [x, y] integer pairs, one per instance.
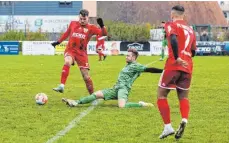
{"points": [[22, 77]]}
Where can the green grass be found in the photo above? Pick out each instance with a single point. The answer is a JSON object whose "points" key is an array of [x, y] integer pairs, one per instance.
{"points": [[21, 120]]}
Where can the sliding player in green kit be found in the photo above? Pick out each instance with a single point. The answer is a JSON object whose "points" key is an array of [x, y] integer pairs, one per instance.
{"points": [[121, 89]]}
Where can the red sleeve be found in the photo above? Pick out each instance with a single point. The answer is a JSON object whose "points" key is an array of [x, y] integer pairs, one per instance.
{"points": [[99, 31], [66, 34], [170, 28], [194, 41]]}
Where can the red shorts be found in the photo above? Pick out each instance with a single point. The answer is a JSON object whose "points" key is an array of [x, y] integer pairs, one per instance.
{"points": [[171, 79], [81, 60]]}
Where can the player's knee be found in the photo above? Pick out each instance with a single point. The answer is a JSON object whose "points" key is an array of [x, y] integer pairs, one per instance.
{"points": [[121, 105], [68, 61], [99, 94]]}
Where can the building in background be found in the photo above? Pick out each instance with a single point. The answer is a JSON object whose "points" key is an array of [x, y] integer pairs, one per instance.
{"points": [[44, 16], [224, 5]]}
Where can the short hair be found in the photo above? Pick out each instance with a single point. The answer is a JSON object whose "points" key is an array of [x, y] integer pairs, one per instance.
{"points": [[84, 12], [163, 22], [179, 9], [134, 51]]}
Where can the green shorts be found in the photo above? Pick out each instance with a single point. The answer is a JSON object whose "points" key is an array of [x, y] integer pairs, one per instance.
{"points": [[114, 94]]}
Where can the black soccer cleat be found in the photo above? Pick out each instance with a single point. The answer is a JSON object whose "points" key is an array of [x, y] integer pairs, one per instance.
{"points": [[180, 130]]}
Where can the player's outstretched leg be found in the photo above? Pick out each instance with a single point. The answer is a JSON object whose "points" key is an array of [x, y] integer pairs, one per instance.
{"points": [[69, 102], [139, 104], [84, 100], [64, 74], [145, 104]]}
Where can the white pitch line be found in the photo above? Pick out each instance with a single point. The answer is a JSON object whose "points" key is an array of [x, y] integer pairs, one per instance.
{"points": [[151, 63], [77, 119], [74, 122]]}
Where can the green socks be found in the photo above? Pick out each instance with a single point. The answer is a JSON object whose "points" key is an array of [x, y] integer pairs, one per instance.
{"points": [[162, 54], [87, 99], [131, 104]]}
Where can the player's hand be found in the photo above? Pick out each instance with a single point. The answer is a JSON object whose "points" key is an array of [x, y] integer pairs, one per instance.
{"points": [[100, 22], [182, 62], [55, 43]]}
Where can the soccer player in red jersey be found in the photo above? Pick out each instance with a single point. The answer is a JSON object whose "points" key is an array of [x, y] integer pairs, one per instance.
{"points": [[79, 33], [177, 73], [100, 47]]}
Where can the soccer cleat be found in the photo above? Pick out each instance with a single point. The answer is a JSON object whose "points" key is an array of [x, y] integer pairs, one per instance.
{"points": [[144, 104], [69, 102], [104, 58], [59, 89], [167, 132], [180, 130], [161, 59]]}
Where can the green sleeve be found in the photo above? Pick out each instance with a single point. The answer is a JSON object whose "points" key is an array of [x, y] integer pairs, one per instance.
{"points": [[139, 67]]}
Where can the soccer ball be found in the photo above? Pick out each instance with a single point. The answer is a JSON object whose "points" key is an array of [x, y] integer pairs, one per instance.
{"points": [[41, 98]]}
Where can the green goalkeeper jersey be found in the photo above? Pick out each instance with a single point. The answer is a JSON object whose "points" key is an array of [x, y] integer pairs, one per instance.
{"points": [[129, 74]]}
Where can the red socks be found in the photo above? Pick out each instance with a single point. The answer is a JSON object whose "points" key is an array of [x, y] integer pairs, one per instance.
{"points": [[89, 85], [184, 108], [164, 110], [64, 74]]}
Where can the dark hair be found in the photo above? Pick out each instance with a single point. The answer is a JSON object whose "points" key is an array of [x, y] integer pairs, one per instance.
{"points": [[84, 12], [134, 51], [178, 8], [163, 22]]}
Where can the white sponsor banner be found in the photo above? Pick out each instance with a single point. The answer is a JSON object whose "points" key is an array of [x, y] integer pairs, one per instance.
{"points": [[37, 48], [111, 47], [156, 48], [36, 23]]}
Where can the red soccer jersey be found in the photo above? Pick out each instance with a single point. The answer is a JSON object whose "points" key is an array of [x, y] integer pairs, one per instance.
{"points": [[186, 42], [100, 42], [79, 36]]}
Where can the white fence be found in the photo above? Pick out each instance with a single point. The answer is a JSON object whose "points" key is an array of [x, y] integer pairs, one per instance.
{"points": [[111, 48]]}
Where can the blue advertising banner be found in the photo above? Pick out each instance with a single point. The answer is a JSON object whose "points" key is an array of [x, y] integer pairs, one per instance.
{"points": [[210, 48], [9, 48]]}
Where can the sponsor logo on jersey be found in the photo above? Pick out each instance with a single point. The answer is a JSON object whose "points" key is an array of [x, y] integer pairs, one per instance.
{"points": [[79, 35], [137, 46], [85, 30]]}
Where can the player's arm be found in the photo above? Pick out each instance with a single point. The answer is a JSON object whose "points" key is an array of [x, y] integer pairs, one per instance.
{"points": [[193, 48], [153, 70], [171, 31], [174, 45], [63, 37], [142, 68]]}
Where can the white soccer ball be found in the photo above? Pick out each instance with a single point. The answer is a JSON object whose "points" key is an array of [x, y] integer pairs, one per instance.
{"points": [[41, 98]]}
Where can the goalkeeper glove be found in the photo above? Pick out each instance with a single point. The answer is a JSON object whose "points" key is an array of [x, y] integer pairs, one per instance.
{"points": [[55, 43], [100, 22]]}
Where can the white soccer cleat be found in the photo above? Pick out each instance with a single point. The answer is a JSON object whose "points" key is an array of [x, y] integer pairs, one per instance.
{"points": [[144, 104], [69, 102], [167, 132]]}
